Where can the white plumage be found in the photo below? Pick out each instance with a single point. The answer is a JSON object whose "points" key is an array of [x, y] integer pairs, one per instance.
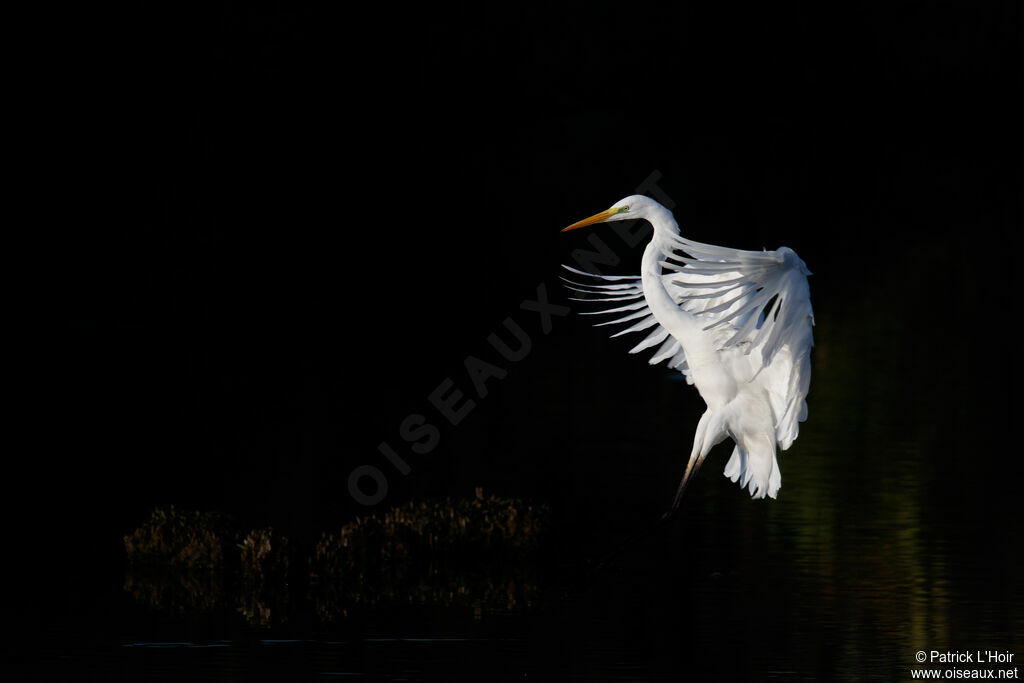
{"points": [[736, 323]]}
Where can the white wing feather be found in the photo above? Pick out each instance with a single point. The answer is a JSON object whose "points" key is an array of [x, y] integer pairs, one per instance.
{"points": [[757, 301], [761, 300], [628, 288]]}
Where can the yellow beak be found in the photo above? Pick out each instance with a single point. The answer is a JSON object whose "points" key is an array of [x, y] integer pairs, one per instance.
{"points": [[596, 218]]}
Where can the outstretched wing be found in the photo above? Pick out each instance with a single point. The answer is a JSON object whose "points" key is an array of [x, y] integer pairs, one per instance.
{"points": [[759, 302], [624, 294], [756, 301]]}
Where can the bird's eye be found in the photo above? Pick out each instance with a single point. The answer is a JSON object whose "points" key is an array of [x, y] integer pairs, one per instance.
{"points": [[623, 209]]}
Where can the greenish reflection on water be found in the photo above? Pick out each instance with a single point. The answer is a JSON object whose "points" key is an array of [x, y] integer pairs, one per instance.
{"points": [[893, 532], [896, 530]]}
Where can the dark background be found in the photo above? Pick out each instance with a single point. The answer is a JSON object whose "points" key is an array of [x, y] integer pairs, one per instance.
{"points": [[287, 225]]}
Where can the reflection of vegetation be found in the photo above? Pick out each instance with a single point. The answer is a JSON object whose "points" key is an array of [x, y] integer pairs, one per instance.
{"points": [[179, 591], [466, 552], [176, 560], [264, 575], [449, 552], [264, 554]]}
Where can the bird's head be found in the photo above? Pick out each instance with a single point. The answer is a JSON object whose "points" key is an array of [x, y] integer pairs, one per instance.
{"points": [[632, 207]]}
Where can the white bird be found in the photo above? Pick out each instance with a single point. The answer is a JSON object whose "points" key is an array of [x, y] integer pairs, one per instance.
{"points": [[736, 323]]}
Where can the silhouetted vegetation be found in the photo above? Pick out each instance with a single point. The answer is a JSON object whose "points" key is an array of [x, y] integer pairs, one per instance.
{"points": [[448, 552], [173, 538], [468, 552]]}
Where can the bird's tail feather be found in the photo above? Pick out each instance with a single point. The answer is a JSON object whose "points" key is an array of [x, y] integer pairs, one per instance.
{"points": [[758, 470]]}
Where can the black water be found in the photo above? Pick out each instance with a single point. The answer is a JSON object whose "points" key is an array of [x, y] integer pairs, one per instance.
{"points": [[897, 530], [316, 227]]}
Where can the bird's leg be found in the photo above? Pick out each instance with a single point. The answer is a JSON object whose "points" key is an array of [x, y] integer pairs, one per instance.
{"points": [[708, 433], [696, 460]]}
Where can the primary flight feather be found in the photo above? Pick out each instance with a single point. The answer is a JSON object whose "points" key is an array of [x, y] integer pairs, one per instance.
{"points": [[736, 323]]}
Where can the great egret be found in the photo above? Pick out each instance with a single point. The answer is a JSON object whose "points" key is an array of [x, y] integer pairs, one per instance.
{"points": [[736, 323]]}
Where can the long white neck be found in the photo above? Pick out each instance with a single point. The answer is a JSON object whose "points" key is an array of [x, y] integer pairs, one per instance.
{"points": [[684, 326], [659, 300]]}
